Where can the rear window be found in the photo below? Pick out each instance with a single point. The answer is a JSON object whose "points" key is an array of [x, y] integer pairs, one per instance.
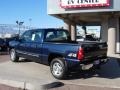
{"points": [[58, 35]]}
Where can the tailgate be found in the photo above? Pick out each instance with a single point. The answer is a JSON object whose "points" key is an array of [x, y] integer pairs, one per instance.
{"points": [[94, 50]]}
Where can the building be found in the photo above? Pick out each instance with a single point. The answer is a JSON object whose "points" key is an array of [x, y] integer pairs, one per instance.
{"points": [[104, 13]]}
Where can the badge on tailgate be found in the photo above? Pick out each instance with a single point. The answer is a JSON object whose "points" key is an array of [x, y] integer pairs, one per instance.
{"points": [[72, 55]]}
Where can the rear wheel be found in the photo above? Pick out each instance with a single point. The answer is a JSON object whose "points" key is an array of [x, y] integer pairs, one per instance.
{"points": [[13, 56], [58, 68]]}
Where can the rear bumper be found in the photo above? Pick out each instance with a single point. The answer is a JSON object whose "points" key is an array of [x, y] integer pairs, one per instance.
{"points": [[92, 59], [76, 63]]}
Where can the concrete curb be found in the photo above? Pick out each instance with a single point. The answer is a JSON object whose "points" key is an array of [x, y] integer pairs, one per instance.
{"points": [[18, 84], [36, 86], [29, 86]]}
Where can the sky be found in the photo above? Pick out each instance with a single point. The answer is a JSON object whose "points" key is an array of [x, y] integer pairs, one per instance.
{"points": [[24, 10], [32, 12]]}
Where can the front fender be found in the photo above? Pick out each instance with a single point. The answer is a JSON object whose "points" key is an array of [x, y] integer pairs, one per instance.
{"points": [[13, 44]]}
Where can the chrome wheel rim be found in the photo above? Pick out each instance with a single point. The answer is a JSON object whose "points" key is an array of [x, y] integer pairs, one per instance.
{"points": [[57, 69], [12, 55]]}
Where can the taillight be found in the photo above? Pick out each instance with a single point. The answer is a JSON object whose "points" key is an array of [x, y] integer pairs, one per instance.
{"points": [[80, 54]]}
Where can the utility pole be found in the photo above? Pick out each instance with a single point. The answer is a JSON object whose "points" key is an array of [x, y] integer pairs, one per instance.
{"points": [[30, 20], [19, 25]]}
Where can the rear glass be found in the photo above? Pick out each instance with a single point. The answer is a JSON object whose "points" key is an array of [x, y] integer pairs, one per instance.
{"points": [[57, 35]]}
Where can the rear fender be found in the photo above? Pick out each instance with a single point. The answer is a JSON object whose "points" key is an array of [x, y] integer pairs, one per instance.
{"points": [[54, 55]]}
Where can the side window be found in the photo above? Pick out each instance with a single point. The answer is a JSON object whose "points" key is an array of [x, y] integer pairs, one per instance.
{"points": [[26, 36], [62, 34], [36, 36], [50, 36]]}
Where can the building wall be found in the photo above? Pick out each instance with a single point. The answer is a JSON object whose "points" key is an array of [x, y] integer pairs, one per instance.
{"points": [[109, 21], [118, 36], [53, 7], [104, 29]]}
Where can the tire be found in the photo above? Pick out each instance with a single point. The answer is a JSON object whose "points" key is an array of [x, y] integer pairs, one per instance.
{"points": [[58, 68], [13, 56]]}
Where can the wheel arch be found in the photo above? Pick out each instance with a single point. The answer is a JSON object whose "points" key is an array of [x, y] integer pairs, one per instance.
{"points": [[10, 49], [53, 56]]}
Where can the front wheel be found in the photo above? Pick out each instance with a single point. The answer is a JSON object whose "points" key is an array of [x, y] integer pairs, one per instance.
{"points": [[58, 68], [13, 56]]}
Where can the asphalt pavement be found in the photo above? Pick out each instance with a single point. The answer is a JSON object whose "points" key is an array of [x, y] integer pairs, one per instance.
{"points": [[4, 58]]}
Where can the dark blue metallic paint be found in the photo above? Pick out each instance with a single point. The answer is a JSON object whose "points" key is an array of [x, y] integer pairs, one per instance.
{"points": [[42, 50]]}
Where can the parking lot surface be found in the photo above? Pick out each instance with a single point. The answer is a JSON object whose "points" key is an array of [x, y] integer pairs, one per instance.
{"points": [[4, 58], [107, 77], [81, 87]]}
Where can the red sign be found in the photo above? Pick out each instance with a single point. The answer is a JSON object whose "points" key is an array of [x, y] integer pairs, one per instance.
{"points": [[83, 3]]}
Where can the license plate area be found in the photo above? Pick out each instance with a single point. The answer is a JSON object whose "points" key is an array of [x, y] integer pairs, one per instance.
{"points": [[87, 67], [97, 62]]}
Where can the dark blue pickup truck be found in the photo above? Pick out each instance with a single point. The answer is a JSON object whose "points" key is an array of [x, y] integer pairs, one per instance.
{"points": [[54, 47]]}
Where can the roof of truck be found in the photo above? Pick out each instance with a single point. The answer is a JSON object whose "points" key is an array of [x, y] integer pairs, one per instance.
{"points": [[46, 29]]}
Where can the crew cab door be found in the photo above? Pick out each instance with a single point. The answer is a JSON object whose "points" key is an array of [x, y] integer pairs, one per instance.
{"points": [[24, 46], [30, 45], [36, 46]]}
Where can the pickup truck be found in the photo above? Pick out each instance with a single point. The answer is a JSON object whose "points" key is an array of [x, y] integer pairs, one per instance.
{"points": [[54, 47], [3, 45]]}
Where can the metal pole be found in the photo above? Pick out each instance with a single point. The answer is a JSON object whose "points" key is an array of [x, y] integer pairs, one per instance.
{"points": [[19, 29], [30, 20], [19, 24]]}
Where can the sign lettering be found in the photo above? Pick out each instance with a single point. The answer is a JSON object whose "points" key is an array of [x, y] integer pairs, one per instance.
{"points": [[83, 3]]}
